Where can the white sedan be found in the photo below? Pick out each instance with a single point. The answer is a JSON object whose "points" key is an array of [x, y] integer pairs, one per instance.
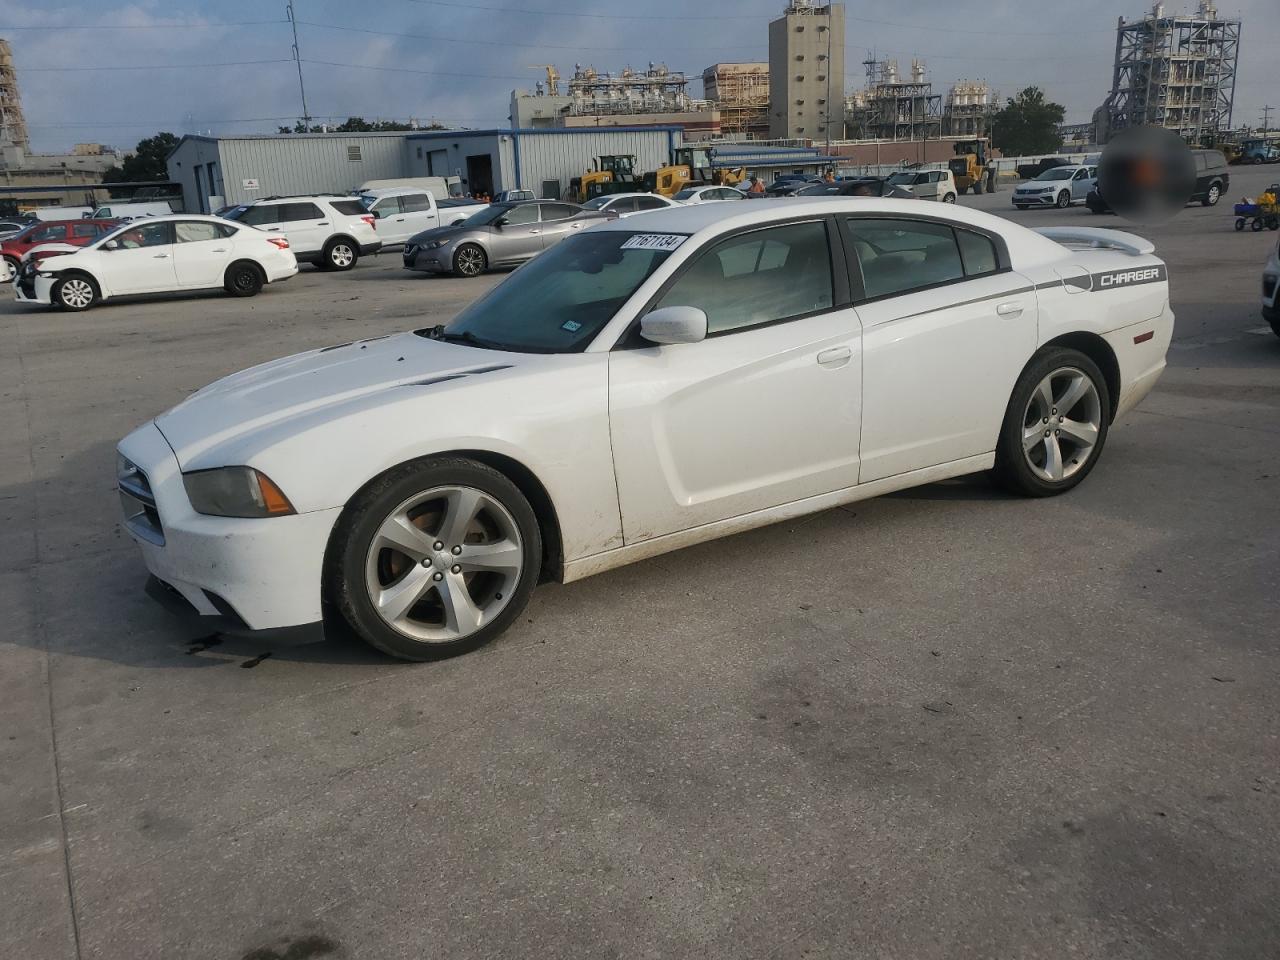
{"points": [[158, 255], [642, 386], [626, 204], [708, 194]]}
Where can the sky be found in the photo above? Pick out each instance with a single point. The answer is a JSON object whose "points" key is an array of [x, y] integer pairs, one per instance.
{"points": [[115, 71]]}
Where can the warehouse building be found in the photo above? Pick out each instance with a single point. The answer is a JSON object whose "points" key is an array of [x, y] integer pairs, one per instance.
{"points": [[218, 171]]}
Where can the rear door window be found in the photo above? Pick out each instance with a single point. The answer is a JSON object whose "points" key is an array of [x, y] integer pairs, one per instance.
{"points": [[415, 202], [257, 216], [296, 212], [83, 230], [348, 208], [195, 231], [898, 256], [557, 211]]}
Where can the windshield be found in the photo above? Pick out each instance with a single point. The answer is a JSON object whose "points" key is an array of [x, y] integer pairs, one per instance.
{"points": [[1058, 173], [596, 204], [560, 300], [489, 214], [686, 194]]}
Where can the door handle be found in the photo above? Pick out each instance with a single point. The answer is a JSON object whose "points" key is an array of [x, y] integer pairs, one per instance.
{"points": [[835, 357], [1009, 310], [219, 250], [323, 223], [534, 231], [160, 256]]}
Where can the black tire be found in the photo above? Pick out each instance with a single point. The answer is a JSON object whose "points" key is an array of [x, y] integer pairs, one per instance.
{"points": [[349, 547], [1012, 470], [1063, 201], [1239, 223], [244, 279], [977, 187], [1273, 223], [67, 293], [472, 263], [1021, 206], [1272, 316], [339, 254], [1256, 224], [14, 262], [1212, 195], [949, 198]]}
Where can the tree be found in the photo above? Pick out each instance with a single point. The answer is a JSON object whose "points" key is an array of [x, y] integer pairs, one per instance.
{"points": [[1028, 124], [357, 125], [147, 161]]}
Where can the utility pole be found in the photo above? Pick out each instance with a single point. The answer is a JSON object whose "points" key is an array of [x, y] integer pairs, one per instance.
{"points": [[1266, 118], [297, 58]]}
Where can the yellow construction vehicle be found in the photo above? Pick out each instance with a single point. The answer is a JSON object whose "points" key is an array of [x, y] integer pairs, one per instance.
{"points": [[691, 166], [969, 165], [608, 174]]}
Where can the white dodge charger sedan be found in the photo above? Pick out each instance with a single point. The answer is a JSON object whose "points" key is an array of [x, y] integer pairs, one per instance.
{"points": [[180, 253], [642, 386]]}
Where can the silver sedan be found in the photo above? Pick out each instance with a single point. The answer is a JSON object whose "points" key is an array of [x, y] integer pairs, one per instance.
{"points": [[500, 235]]}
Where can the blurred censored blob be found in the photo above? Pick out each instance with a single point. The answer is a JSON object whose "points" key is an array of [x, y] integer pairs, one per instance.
{"points": [[1147, 174]]}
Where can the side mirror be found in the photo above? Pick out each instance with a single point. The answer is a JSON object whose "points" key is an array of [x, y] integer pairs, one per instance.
{"points": [[674, 325], [501, 222], [111, 245]]}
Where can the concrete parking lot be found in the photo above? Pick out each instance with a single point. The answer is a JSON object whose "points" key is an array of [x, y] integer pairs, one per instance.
{"points": [[943, 724]]}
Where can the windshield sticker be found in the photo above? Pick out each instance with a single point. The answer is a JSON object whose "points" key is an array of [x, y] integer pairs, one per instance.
{"points": [[571, 325], [654, 241]]}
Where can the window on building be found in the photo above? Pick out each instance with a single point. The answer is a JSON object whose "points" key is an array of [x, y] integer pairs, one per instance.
{"points": [[353, 153]]}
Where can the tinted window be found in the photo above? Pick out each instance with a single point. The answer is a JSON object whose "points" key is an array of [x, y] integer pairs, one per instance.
{"points": [[348, 208], [84, 230], [194, 231], [294, 212], [978, 254], [524, 213], [385, 207], [901, 255], [414, 202], [255, 216], [558, 211], [648, 203], [56, 231], [758, 277]]}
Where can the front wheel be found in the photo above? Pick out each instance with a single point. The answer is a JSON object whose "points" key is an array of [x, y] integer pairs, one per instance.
{"points": [[1063, 201], [1055, 425], [340, 255], [1239, 223], [75, 292], [470, 260], [1213, 196], [434, 559], [977, 187], [949, 198]]}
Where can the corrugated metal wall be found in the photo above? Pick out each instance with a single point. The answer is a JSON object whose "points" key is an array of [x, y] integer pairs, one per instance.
{"points": [[299, 165], [190, 154]]}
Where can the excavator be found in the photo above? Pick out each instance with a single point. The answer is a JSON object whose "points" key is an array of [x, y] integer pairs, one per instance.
{"points": [[608, 174], [691, 166]]}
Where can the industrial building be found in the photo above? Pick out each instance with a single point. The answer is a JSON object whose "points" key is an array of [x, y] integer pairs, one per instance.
{"points": [[806, 72], [894, 108], [215, 171], [1173, 71], [740, 92], [968, 109], [13, 123]]}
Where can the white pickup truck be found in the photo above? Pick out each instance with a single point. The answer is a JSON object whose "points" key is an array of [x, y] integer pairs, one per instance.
{"points": [[402, 212]]}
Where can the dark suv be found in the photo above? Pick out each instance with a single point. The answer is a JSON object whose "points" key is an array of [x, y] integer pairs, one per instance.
{"points": [[1212, 181]]}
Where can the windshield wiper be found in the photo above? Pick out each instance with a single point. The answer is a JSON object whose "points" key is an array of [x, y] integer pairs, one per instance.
{"points": [[438, 333]]}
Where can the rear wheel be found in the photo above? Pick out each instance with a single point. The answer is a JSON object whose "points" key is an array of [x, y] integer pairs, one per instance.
{"points": [[1213, 196], [435, 559], [340, 254], [75, 292], [469, 260], [977, 186], [949, 198], [13, 262], [1055, 425], [243, 279]]}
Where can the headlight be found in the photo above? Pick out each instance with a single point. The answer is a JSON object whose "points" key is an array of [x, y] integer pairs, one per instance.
{"points": [[235, 492], [435, 244]]}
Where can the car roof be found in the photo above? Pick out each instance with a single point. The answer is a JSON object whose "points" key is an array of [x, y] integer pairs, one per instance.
{"points": [[638, 193]]}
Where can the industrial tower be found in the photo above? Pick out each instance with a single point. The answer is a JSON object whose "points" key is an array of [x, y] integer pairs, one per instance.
{"points": [[1176, 72], [13, 125]]}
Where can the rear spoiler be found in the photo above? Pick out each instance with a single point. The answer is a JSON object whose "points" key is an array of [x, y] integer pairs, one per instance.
{"points": [[1099, 237]]}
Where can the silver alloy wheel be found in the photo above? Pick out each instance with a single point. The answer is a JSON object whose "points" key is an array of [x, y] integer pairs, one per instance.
{"points": [[341, 255], [76, 293], [470, 261], [1214, 194], [444, 563], [1061, 424]]}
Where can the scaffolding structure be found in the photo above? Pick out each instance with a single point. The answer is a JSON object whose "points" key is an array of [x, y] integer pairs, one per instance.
{"points": [[968, 110], [13, 123], [740, 91], [1176, 72], [891, 108], [656, 90]]}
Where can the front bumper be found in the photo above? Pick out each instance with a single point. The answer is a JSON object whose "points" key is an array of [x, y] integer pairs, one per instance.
{"points": [[439, 260], [265, 574], [34, 289], [1034, 199]]}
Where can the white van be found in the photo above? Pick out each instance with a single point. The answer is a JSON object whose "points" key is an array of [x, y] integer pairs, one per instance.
{"points": [[439, 187], [403, 212], [131, 211]]}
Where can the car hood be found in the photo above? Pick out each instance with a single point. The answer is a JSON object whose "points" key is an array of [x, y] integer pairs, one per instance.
{"points": [[447, 233], [300, 388]]}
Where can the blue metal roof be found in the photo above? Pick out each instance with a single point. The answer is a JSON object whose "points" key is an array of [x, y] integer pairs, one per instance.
{"points": [[501, 131]]}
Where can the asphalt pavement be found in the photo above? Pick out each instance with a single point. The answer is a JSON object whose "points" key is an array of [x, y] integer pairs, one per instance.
{"points": [[946, 723]]}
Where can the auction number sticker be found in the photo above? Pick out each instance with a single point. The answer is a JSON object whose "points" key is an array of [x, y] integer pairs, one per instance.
{"points": [[655, 241]]}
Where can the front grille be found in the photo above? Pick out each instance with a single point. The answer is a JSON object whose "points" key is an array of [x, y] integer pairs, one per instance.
{"points": [[138, 502]]}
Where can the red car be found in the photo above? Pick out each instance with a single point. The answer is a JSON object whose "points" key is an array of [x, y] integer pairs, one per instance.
{"points": [[78, 233]]}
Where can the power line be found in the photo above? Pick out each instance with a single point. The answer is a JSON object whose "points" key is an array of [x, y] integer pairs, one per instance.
{"points": [[204, 25], [150, 66], [425, 73]]}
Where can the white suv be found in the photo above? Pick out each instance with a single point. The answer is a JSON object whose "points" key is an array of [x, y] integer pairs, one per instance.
{"points": [[330, 231]]}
